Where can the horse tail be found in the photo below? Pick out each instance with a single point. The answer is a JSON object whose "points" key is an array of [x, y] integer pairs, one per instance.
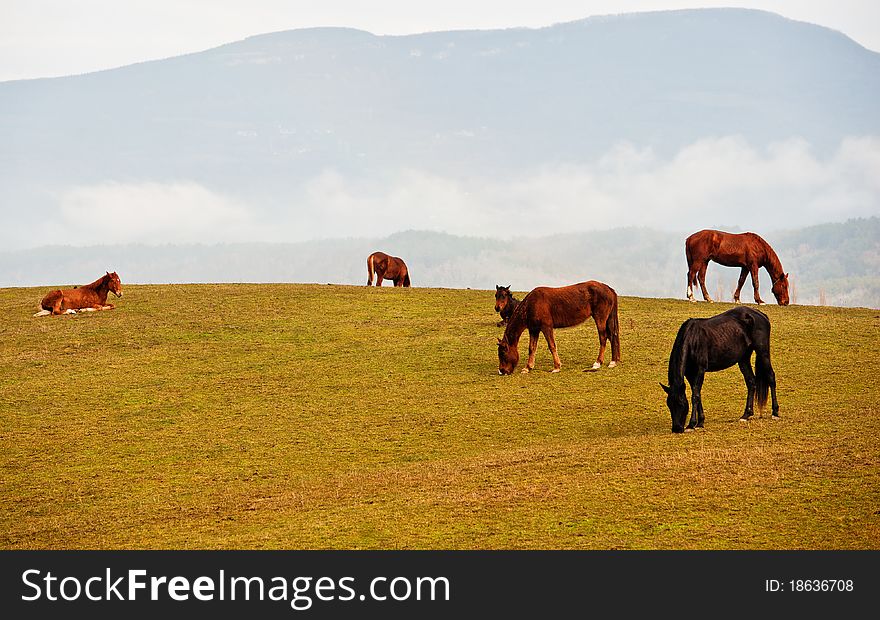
{"points": [[762, 379], [612, 330], [370, 270], [406, 279], [759, 329]]}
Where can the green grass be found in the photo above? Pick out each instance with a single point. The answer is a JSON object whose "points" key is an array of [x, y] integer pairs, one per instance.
{"points": [[305, 416]]}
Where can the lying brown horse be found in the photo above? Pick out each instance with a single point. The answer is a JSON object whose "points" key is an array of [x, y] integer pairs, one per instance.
{"points": [[745, 250], [544, 309], [85, 298], [505, 303], [386, 268]]}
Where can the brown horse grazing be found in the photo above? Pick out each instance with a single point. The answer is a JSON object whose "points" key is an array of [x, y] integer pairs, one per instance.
{"points": [[387, 268], [745, 250], [505, 304], [544, 309], [86, 298]]}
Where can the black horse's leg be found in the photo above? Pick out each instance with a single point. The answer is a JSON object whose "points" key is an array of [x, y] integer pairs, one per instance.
{"points": [[745, 366], [754, 271], [696, 399], [743, 274], [770, 377]]}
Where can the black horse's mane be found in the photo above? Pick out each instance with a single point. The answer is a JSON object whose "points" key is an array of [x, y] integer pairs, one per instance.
{"points": [[678, 357]]}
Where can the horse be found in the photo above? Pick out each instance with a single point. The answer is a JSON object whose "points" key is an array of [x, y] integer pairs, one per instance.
{"points": [[545, 308], [387, 268], [86, 298], [505, 303], [747, 251], [717, 343]]}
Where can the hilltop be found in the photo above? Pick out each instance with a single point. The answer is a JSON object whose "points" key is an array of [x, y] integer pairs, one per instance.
{"points": [[309, 416]]}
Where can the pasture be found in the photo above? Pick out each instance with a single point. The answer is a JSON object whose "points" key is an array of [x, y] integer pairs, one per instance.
{"points": [[312, 416]]}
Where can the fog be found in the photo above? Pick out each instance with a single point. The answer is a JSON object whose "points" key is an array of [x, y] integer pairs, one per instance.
{"points": [[712, 182]]}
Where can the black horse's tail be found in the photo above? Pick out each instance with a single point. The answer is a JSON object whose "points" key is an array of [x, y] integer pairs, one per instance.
{"points": [[762, 379], [612, 331]]}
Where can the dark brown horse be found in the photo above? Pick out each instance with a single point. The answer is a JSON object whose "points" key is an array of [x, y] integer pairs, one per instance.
{"points": [[708, 345], [505, 303], [544, 309], [86, 298], [747, 251], [386, 268]]}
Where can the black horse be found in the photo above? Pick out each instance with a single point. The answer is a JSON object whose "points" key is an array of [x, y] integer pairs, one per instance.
{"points": [[707, 345]]}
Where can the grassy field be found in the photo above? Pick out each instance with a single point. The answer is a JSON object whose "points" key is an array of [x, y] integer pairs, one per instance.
{"points": [[307, 416]]}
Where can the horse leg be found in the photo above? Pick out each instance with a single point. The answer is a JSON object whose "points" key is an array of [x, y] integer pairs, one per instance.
{"points": [[533, 347], [692, 279], [56, 307], [702, 276], [754, 271], [743, 274], [745, 367], [380, 275], [696, 401], [603, 338], [770, 377], [551, 344]]}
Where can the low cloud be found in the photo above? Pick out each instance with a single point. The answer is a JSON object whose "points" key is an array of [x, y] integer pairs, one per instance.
{"points": [[711, 183], [150, 213]]}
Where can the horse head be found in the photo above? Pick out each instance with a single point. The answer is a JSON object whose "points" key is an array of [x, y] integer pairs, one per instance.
{"points": [[502, 297], [780, 290], [508, 357], [114, 284], [678, 406]]}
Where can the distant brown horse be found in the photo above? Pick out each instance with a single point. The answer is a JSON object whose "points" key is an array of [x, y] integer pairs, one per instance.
{"points": [[745, 250], [544, 309], [388, 268], [88, 297], [505, 304]]}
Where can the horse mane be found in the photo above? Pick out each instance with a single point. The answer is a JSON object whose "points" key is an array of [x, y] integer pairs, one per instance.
{"points": [[516, 316], [678, 357], [97, 283], [771, 261]]}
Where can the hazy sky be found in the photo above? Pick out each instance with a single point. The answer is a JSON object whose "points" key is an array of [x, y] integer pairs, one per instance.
{"points": [[41, 38]]}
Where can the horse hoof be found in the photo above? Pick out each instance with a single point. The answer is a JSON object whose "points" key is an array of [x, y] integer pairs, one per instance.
{"points": [[524, 371], [596, 366], [774, 418], [688, 430], [744, 420], [555, 370], [70, 311], [612, 364], [699, 428]]}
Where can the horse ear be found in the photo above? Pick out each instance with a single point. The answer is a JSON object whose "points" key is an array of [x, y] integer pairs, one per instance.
{"points": [[786, 276], [665, 388]]}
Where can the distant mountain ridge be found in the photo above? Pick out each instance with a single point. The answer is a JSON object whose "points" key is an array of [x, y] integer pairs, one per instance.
{"points": [[264, 122], [838, 261]]}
